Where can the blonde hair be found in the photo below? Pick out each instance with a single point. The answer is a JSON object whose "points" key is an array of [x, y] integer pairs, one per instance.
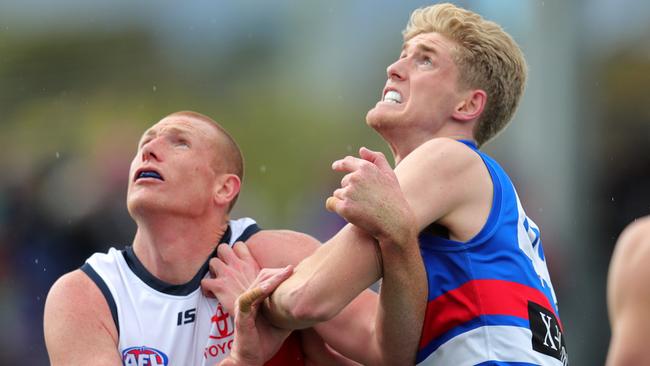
{"points": [[486, 56]]}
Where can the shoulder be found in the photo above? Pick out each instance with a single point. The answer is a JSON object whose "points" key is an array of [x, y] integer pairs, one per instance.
{"points": [[75, 297], [72, 290], [446, 181], [443, 155], [632, 249], [278, 248], [635, 236], [77, 315], [631, 255]]}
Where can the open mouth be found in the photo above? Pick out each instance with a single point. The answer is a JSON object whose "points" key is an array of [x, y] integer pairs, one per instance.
{"points": [[148, 174], [393, 96]]}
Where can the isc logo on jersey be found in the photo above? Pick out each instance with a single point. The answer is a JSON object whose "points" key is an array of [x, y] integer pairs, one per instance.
{"points": [[143, 356]]}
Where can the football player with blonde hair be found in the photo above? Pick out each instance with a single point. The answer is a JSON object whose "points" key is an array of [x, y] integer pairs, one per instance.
{"points": [[486, 297]]}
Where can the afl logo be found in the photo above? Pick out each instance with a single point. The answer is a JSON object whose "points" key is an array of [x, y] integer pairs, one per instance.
{"points": [[143, 356], [221, 324]]}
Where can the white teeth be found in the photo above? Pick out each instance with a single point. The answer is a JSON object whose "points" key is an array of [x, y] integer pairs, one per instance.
{"points": [[393, 96]]}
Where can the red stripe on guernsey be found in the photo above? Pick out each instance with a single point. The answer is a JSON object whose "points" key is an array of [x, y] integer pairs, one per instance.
{"points": [[476, 298]]}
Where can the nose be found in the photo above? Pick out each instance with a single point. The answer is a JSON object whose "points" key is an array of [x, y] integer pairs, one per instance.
{"points": [[151, 150], [396, 71]]}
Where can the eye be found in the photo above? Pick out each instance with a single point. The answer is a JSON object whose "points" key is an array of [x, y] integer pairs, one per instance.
{"points": [[144, 142], [425, 61], [182, 143]]}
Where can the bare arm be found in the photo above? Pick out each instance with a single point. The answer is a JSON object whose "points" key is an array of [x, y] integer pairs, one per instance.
{"points": [[350, 331], [280, 248], [318, 352], [326, 281], [371, 198], [434, 180], [235, 272], [79, 328], [442, 181], [628, 297], [353, 255]]}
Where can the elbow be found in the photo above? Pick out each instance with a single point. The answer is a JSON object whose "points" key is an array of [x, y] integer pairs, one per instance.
{"points": [[303, 308], [309, 311]]}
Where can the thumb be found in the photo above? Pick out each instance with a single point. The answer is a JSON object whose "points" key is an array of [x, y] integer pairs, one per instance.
{"points": [[376, 158], [257, 294]]}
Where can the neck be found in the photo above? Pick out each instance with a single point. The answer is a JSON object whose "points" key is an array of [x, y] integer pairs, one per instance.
{"points": [[403, 142], [173, 249]]}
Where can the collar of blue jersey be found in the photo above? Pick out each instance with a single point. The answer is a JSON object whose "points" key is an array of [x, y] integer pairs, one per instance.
{"points": [[469, 143]]}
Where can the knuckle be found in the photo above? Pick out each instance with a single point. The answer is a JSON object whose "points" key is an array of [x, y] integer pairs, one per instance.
{"points": [[228, 272], [345, 208], [265, 272], [367, 166]]}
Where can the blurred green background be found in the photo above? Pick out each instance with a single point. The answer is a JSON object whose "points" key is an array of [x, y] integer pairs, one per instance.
{"points": [[292, 81]]}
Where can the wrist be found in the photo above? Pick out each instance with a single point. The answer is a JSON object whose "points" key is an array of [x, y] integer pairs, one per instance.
{"points": [[400, 236], [402, 245]]}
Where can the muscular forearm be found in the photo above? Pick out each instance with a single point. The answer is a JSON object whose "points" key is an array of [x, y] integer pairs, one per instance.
{"points": [[385, 333], [402, 304], [326, 281]]}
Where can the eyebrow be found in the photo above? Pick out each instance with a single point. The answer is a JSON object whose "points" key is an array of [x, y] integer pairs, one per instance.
{"points": [[422, 48], [147, 134], [426, 48], [153, 132]]}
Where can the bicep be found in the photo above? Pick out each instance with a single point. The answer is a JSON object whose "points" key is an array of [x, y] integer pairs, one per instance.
{"points": [[279, 248], [629, 297], [317, 352], [630, 332], [77, 323], [352, 331]]}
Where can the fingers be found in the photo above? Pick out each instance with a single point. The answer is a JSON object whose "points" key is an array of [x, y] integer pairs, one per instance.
{"points": [[226, 253], [333, 203], [216, 266], [241, 250], [345, 181], [351, 163], [376, 158], [206, 287], [239, 257], [256, 294], [270, 278], [248, 298], [348, 164]]}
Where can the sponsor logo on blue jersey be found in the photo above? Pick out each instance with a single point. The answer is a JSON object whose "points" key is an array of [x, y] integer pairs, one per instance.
{"points": [[143, 356]]}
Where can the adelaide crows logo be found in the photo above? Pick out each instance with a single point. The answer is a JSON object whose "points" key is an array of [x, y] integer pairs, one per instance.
{"points": [[143, 356]]}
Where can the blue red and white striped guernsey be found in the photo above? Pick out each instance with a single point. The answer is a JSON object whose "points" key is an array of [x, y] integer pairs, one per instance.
{"points": [[490, 299]]}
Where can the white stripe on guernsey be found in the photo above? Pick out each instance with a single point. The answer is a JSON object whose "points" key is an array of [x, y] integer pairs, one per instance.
{"points": [[489, 343]]}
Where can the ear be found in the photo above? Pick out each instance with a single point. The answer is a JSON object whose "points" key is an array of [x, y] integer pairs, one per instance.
{"points": [[226, 189], [471, 107]]}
